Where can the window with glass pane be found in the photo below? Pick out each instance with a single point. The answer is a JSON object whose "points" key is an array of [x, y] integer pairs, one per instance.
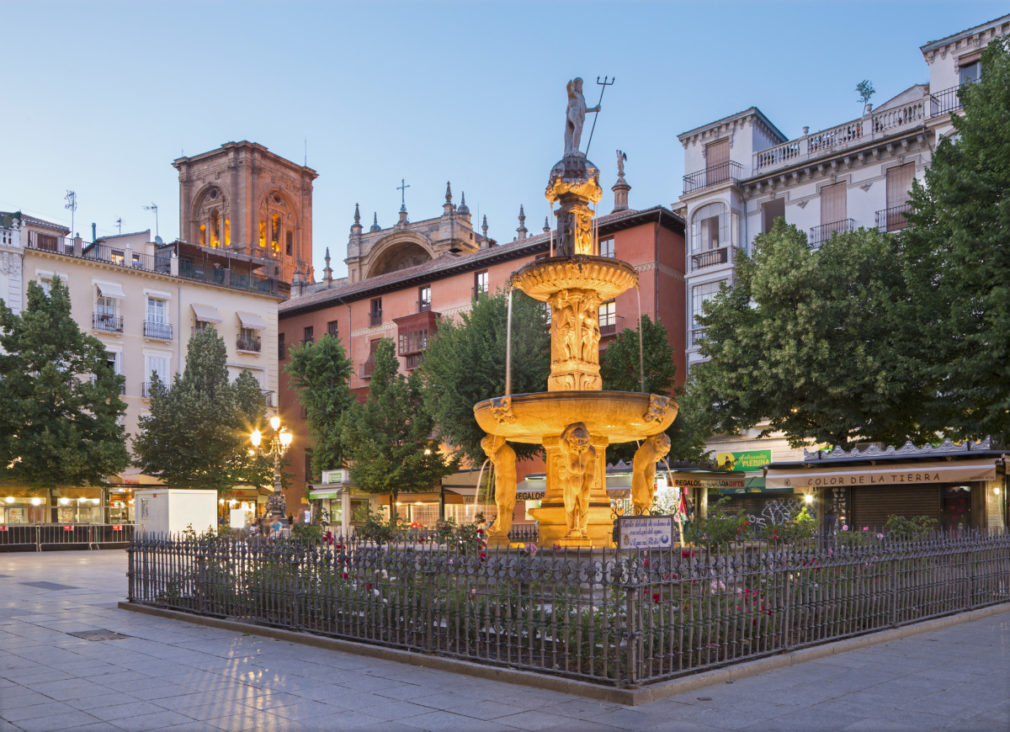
{"points": [[105, 306], [156, 310], [969, 73], [710, 228], [606, 247], [700, 294], [608, 314], [333, 328], [480, 282]]}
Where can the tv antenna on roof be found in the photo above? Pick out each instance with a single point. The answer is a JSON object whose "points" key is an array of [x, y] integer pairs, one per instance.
{"points": [[119, 225], [154, 207], [71, 199]]}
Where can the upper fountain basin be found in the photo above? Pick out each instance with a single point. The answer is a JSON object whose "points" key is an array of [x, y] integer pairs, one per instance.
{"points": [[543, 277], [621, 416]]}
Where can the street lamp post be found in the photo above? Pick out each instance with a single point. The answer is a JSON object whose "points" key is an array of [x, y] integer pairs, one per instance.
{"points": [[279, 444]]}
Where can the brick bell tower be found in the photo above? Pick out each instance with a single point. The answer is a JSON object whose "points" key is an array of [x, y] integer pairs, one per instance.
{"points": [[244, 198]]}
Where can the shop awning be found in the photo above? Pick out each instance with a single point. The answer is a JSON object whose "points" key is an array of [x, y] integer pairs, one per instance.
{"points": [[461, 490], [252, 321], [111, 289], [206, 313], [961, 471], [325, 493]]}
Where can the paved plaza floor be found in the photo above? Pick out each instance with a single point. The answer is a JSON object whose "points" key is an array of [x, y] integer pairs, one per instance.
{"points": [[166, 674]]}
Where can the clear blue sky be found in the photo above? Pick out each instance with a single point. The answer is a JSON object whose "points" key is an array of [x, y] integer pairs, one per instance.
{"points": [[101, 96]]}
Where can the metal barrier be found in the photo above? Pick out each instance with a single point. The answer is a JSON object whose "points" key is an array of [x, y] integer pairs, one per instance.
{"points": [[601, 615], [47, 537]]}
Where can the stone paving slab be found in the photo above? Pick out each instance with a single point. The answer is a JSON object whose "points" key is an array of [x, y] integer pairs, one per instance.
{"points": [[174, 675]]}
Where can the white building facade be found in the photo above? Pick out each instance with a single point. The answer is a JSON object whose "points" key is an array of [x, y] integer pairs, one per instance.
{"points": [[742, 173]]}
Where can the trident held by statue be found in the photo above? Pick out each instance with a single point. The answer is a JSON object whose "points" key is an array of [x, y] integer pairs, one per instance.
{"points": [[607, 81]]}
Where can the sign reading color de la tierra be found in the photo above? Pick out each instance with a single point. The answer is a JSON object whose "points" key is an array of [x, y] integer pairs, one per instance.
{"points": [[644, 532]]}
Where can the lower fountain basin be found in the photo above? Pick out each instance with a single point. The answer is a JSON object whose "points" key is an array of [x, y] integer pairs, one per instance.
{"points": [[621, 416]]}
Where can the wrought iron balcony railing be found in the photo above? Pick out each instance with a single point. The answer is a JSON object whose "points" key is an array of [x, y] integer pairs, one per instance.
{"points": [[154, 329], [820, 234], [248, 344], [375, 318], [893, 219], [709, 258], [730, 171], [108, 322]]}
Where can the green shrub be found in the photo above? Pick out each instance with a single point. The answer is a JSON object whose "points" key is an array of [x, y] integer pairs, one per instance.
{"points": [[903, 529]]}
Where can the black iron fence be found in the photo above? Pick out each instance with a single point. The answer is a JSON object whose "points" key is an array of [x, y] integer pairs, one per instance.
{"points": [[45, 537], [600, 615]]}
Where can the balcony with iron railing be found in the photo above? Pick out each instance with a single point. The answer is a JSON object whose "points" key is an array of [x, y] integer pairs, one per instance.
{"points": [[728, 172], [413, 360], [944, 101], [611, 325], [821, 234], [875, 126], [157, 330], [423, 306], [710, 258], [250, 344], [108, 322], [893, 218], [375, 318]]}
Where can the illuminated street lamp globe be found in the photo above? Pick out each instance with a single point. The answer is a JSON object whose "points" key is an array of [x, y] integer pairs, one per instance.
{"points": [[279, 443]]}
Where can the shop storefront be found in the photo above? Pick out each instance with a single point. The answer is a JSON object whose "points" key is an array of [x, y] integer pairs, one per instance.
{"points": [[959, 485]]}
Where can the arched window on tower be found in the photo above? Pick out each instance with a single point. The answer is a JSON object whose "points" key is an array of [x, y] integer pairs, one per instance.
{"points": [[263, 234], [215, 228], [287, 248], [203, 235], [275, 232], [227, 232]]}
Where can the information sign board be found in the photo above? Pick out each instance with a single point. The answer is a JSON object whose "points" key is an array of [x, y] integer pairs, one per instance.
{"points": [[645, 532]]}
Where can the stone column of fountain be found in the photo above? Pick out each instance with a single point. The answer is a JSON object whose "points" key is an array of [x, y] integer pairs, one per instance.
{"points": [[574, 420]]}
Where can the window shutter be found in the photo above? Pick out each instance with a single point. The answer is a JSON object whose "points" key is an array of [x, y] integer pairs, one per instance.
{"points": [[833, 203], [899, 184]]}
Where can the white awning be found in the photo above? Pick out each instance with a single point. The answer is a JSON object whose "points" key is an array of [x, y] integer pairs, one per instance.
{"points": [[111, 289], [960, 471], [206, 313], [251, 321]]}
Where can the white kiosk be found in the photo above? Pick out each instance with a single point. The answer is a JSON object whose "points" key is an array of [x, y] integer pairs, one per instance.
{"points": [[174, 510]]}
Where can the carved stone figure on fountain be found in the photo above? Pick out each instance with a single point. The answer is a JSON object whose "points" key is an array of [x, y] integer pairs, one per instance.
{"points": [[575, 116], [578, 473], [503, 460], [643, 471]]}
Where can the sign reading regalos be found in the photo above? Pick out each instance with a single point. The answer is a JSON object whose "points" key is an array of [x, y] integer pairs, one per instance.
{"points": [[750, 460]]}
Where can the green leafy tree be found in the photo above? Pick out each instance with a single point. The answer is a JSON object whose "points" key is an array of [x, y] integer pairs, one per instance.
{"points": [[320, 371], [388, 439], [813, 340], [466, 364], [197, 434], [59, 397], [958, 257], [620, 369]]}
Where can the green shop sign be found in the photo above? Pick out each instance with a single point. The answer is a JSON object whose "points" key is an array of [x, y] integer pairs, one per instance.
{"points": [[750, 460]]}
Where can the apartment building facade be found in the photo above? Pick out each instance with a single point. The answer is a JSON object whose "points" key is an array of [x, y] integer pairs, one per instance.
{"points": [[143, 300], [742, 172]]}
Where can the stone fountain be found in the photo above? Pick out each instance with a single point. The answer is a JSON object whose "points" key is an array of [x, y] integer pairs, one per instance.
{"points": [[574, 420]]}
